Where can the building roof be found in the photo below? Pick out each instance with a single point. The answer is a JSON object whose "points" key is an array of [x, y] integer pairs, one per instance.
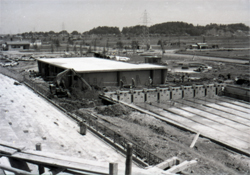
{"points": [[92, 64], [18, 42]]}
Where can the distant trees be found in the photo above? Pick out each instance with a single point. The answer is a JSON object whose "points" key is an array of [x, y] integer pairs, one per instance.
{"points": [[134, 30], [64, 33], [134, 45], [52, 48], [75, 33], [119, 45], [104, 30], [167, 28]]}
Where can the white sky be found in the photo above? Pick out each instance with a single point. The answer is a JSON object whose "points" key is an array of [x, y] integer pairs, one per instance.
{"points": [[18, 16]]}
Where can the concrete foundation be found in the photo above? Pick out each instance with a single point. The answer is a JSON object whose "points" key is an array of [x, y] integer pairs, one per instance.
{"points": [[166, 94]]}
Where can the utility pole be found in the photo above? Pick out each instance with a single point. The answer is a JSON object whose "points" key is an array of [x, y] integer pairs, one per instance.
{"points": [[145, 34], [107, 45]]}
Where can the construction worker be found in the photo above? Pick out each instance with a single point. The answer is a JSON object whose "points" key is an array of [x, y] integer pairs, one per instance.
{"points": [[121, 83], [150, 81], [133, 83]]}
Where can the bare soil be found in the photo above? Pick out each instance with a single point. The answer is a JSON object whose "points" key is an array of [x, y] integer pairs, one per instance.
{"points": [[233, 54], [167, 141]]}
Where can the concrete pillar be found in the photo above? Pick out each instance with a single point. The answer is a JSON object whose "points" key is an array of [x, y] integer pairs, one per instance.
{"points": [[206, 87], [38, 147], [182, 91], [113, 168], [158, 94], [83, 128], [171, 95], [128, 170], [40, 167], [132, 92], [145, 90], [194, 89]]}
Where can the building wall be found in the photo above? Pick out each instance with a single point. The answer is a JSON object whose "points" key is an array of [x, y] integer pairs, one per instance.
{"points": [[18, 47], [188, 92], [101, 79]]}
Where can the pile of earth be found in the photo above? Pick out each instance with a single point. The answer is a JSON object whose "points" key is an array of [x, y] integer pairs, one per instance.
{"points": [[113, 110], [71, 105]]}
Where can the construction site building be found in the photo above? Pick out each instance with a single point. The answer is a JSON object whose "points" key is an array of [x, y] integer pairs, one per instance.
{"points": [[102, 72]]}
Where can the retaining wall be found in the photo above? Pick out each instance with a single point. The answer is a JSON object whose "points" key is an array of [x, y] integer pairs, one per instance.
{"points": [[237, 92], [166, 94]]}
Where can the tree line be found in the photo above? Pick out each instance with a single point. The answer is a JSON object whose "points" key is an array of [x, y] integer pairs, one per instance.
{"points": [[167, 28]]}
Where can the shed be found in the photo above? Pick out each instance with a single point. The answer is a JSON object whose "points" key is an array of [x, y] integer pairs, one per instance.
{"points": [[17, 45], [153, 59], [102, 72]]}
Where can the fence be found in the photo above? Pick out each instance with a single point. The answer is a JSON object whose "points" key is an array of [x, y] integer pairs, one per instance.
{"points": [[118, 141]]}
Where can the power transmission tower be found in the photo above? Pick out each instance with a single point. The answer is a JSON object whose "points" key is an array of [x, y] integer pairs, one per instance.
{"points": [[145, 32], [63, 26]]}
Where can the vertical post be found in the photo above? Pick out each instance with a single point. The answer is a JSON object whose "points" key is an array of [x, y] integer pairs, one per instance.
{"points": [[40, 167], [113, 168], [83, 129], [128, 170]]}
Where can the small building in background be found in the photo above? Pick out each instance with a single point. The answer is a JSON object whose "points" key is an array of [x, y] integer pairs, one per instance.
{"points": [[153, 59], [202, 45], [17, 45]]}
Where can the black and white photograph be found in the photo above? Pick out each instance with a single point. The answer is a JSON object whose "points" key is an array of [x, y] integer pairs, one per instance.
{"points": [[134, 87]]}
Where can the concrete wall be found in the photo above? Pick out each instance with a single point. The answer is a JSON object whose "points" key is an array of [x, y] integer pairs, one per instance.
{"points": [[152, 95], [176, 93], [210, 90], [188, 92], [101, 79], [237, 92], [166, 94], [199, 91], [125, 96], [139, 96]]}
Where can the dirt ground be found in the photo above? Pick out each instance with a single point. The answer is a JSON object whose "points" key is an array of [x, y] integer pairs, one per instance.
{"points": [[154, 135], [167, 141], [233, 54]]}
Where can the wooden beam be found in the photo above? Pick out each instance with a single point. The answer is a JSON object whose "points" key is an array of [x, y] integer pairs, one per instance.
{"points": [[50, 161], [113, 168], [129, 157], [2, 172], [55, 171], [168, 163], [15, 170], [182, 166], [20, 164], [195, 140], [41, 169], [7, 144], [7, 150]]}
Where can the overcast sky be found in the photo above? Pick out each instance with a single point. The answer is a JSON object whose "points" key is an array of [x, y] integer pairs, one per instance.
{"points": [[18, 16]]}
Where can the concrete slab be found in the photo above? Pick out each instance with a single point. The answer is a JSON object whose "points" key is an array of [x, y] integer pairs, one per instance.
{"points": [[223, 114], [228, 104], [222, 108], [212, 124], [212, 129]]}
